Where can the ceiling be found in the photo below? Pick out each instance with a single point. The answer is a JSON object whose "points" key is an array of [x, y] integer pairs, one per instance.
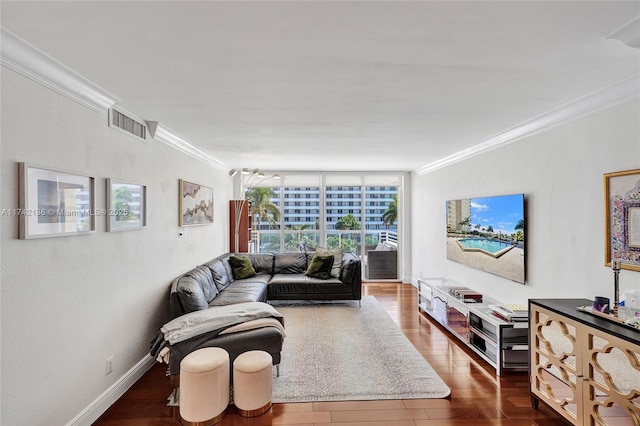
{"points": [[356, 85]]}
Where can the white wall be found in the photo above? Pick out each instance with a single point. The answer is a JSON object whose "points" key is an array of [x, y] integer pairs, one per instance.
{"points": [[560, 172], [69, 303]]}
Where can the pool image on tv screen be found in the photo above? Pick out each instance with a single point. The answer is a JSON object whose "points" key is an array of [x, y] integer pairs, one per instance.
{"points": [[488, 233]]}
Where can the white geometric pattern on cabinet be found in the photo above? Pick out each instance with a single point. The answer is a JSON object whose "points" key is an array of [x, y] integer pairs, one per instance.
{"points": [[590, 375]]}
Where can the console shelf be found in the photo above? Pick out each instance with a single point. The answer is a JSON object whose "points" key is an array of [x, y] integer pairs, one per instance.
{"points": [[503, 344]]}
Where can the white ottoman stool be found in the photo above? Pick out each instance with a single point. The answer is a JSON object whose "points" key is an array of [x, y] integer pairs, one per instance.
{"points": [[204, 386], [252, 380]]}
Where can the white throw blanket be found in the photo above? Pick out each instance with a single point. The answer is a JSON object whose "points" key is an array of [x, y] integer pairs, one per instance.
{"points": [[254, 324], [218, 318]]}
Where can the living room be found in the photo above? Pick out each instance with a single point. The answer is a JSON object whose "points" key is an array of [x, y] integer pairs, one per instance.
{"points": [[70, 303]]}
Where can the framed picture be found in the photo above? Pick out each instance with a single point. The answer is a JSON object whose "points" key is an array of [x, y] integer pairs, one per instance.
{"points": [[196, 204], [55, 203], [622, 218], [126, 206]]}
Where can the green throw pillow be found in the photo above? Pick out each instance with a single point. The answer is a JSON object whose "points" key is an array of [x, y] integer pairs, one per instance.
{"points": [[337, 259], [241, 267], [320, 266]]}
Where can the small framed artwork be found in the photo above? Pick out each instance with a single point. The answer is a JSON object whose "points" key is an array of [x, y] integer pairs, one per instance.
{"points": [[55, 203], [622, 218], [196, 204], [126, 205]]}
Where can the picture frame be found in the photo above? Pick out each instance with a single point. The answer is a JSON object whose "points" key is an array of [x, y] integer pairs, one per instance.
{"points": [[126, 205], [196, 204], [622, 218], [54, 202]]}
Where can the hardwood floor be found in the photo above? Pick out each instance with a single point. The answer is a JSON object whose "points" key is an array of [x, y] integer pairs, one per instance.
{"points": [[478, 396]]}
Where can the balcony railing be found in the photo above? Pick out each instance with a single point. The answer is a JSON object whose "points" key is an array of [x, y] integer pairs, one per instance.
{"points": [[295, 240]]}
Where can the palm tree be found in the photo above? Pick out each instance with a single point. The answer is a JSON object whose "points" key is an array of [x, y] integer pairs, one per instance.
{"points": [[519, 235], [348, 222], [293, 240], [466, 222], [345, 239], [391, 214], [262, 207]]}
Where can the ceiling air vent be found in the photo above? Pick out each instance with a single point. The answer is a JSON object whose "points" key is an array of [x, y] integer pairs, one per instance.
{"points": [[127, 123]]}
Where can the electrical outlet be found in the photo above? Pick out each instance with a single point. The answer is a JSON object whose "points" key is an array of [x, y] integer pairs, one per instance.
{"points": [[109, 366]]}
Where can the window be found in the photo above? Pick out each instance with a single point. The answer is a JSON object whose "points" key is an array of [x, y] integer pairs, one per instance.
{"points": [[353, 211]]}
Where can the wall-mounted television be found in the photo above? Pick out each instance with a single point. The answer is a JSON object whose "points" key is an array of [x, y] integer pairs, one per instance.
{"points": [[488, 233]]}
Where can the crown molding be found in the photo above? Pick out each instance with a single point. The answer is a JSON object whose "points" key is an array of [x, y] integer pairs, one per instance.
{"points": [[619, 93], [170, 138], [27, 60], [628, 34]]}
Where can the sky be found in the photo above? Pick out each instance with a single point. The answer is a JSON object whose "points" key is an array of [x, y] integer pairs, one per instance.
{"points": [[502, 213]]}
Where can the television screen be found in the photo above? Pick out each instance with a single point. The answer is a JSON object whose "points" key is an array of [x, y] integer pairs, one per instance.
{"points": [[488, 234]]}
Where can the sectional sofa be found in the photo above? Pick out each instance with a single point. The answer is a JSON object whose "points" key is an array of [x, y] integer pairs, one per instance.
{"points": [[279, 276], [211, 291]]}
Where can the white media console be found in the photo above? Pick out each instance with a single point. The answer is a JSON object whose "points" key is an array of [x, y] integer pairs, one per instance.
{"points": [[502, 343]]}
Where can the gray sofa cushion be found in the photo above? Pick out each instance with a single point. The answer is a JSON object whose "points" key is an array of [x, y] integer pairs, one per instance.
{"points": [[241, 291], [203, 276], [301, 278], [299, 284], [196, 289], [262, 262], [221, 276], [290, 263], [350, 271]]}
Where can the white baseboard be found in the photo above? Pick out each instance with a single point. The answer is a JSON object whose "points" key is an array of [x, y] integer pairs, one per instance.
{"points": [[410, 280], [91, 413]]}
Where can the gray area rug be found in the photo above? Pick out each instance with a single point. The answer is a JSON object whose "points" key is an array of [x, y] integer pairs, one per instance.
{"points": [[338, 352]]}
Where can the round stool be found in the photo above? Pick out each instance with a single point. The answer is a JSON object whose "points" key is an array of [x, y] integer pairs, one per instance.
{"points": [[252, 380], [204, 386]]}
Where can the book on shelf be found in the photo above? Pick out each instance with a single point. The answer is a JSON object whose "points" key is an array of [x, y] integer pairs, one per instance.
{"points": [[470, 295], [509, 312], [453, 290], [519, 347], [509, 319], [515, 308]]}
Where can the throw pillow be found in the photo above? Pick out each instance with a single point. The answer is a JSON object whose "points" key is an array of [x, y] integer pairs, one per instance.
{"points": [[320, 266], [241, 267], [389, 246], [337, 259]]}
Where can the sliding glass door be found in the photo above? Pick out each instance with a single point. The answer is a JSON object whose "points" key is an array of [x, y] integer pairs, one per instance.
{"points": [[343, 223], [301, 212], [380, 255]]}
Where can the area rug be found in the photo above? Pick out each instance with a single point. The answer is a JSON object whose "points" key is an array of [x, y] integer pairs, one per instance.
{"points": [[340, 352]]}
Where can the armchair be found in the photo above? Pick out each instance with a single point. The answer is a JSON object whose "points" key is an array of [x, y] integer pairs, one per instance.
{"points": [[382, 262]]}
